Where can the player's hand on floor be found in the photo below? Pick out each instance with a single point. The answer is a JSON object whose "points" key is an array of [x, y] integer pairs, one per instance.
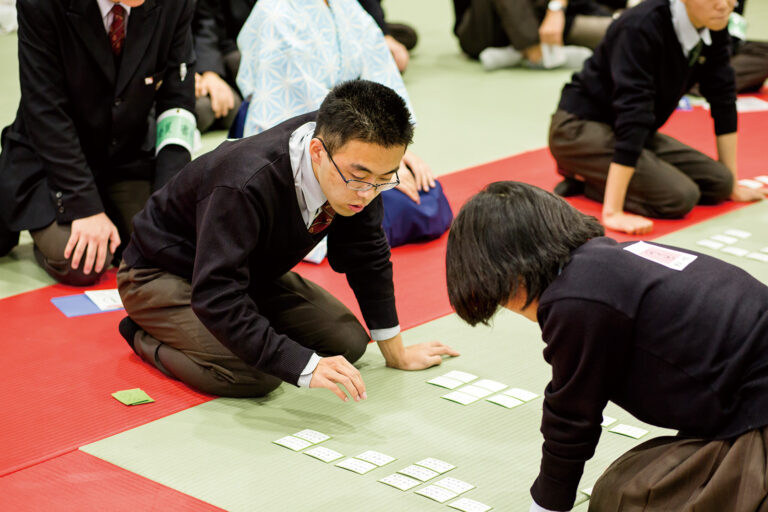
{"points": [[334, 371], [628, 223], [424, 355], [743, 194]]}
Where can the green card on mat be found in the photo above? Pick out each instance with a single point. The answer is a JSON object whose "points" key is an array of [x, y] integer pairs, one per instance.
{"points": [[132, 397]]}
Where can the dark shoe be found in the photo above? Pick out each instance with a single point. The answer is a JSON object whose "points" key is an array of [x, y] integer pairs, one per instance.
{"points": [[404, 34], [569, 187], [8, 240], [128, 329]]}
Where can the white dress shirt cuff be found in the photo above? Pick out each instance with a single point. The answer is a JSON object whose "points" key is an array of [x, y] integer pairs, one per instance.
{"points": [[385, 334], [536, 508], [306, 376]]}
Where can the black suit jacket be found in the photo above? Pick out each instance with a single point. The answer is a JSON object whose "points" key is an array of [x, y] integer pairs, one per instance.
{"points": [[83, 122]]}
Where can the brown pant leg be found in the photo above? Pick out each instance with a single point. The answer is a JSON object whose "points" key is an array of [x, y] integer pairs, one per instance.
{"points": [[480, 28], [49, 245], [687, 475], [588, 30], [175, 340], [750, 64], [585, 148]]}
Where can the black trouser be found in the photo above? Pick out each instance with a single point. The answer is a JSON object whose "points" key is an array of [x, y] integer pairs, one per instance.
{"points": [[206, 119]]}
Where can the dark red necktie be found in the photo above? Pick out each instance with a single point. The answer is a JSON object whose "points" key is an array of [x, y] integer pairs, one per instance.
{"points": [[117, 29], [323, 219]]}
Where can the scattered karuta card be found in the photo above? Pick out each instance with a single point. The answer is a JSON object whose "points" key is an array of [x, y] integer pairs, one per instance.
{"points": [[505, 401], [462, 376], [736, 251], [454, 485], [710, 243], [490, 385], [436, 493], [324, 454], [607, 421], [759, 256], [738, 233], [358, 466], [762, 179], [468, 505], [764, 249], [725, 239], [436, 465], [521, 394], [418, 472], [374, 457], [475, 391], [629, 431], [313, 436], [460, 398], [587, 491], [401, 482], [105, 300], [751, 183], [293, 443], [445, 382]]}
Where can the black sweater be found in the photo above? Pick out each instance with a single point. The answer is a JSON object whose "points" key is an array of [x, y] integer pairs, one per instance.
{"points": [[684, 350], [638, 74], [230, 221]]}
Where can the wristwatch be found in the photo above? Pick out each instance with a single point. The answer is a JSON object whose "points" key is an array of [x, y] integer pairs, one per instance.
{"points": [[555, 5]]}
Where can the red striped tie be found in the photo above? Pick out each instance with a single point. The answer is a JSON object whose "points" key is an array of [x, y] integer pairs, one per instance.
{"points": [[117, 29], [323, 219]]}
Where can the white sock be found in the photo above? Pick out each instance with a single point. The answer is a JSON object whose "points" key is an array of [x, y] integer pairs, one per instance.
{"points": [[575, 56], [496, 58]]}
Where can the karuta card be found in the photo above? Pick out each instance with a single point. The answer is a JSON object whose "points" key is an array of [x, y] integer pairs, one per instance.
{"points": [[629, 431], [462, 376], [313, 436], [521, 394], [454, 485], [754, 184], [505, 401], [375, 458], [401, 482], [738, 233], [607, 421], [710, 243], [445, 382], [762, 179], [324, 454], [490, 385], [460, 398], [435, 465], [725, 239], [468, 505], [418, 472], [676, 260], [293, 443], [474, 391], [358, 466], [736, 251], [105, 300], [759, 256], [436, 493]]}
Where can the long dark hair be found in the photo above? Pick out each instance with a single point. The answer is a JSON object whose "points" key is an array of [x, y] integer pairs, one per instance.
{"points": [[507, 235]]}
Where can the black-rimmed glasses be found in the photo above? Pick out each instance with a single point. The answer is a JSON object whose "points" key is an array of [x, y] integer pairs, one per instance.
{"points": [[359, 185]]}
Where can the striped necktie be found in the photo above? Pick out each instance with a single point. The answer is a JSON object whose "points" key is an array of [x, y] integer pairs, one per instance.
{"points": [[117, 30], [323, 219]]}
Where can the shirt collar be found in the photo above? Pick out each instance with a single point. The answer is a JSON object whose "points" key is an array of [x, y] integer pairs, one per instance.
{"points": [[308, 189], [686, 33], [106, 5]]}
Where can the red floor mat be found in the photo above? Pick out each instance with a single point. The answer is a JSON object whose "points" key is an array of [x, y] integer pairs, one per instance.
{"points": [[58, 376], [78, 481]]}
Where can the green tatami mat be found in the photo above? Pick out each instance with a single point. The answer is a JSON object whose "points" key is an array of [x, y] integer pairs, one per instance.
{"points": [[222, 451], [753, 219], [19, 272]]}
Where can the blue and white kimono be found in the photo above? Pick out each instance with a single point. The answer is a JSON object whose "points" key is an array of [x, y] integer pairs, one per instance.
{"points": [[295, 51]]}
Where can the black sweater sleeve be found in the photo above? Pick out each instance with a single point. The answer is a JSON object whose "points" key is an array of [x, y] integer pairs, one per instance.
{"points": [[718, 84], [584, 344]]}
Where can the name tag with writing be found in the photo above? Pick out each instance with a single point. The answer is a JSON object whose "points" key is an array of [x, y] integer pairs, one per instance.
{"points": [[675, 260]]}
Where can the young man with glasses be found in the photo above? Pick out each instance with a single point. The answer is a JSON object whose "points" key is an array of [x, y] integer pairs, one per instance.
{"points": [[207, 281]]}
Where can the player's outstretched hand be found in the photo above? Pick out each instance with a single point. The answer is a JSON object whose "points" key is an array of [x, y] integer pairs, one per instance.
{"points": [[743, 194], [334, 371], [424, 355]]}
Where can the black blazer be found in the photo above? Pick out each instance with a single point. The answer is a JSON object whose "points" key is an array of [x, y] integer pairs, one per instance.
{"points": [[83, 122]]}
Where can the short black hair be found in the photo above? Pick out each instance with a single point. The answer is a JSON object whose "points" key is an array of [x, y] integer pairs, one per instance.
{"points": [[510, 234], [365, 111]]}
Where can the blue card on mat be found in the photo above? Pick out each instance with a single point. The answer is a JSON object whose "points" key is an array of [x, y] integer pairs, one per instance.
{"points": [[76, 305]]}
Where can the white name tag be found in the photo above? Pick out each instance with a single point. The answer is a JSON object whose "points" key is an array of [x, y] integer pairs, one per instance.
{"points": [[675, 260]]}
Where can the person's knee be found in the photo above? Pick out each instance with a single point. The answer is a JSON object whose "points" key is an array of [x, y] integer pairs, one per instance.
{"points": [[221, 387], [61, 269], [204, 113], [720, 188], [357, 341], [679, 204]]}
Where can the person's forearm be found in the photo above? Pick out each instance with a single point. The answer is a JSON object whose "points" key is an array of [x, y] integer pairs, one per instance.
{"points": [[616, 188], [727, 145], [393, 350]]}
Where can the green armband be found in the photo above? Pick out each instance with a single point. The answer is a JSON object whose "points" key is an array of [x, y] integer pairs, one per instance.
{"points": [[175, 126], [737, 26]]}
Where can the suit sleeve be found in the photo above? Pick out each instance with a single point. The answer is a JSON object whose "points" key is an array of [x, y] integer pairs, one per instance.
{"points": [[208, 31], [45, 106], [177, 91]]}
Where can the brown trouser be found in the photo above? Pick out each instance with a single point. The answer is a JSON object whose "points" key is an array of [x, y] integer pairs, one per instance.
{"points": [[175, 341], [687, 475], [206, 118], [670, 178], [750, 65], [123, 200], [494, 23]]}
